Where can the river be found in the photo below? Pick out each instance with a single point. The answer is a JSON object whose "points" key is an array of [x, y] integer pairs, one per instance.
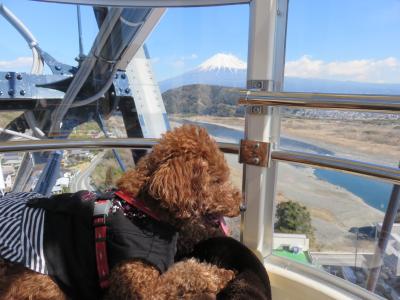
{"points": [[373, 192]]}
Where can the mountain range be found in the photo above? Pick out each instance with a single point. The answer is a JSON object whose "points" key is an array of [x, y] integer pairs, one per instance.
{"points": [[221, 69], [229, 72]]}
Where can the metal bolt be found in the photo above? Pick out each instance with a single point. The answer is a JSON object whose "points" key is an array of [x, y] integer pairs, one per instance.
{"points": [[256, 160], [19, 77], [1, 93], [127, 90], [116, 76], [11, 92], [123, 75], [243, 207], [22, 92], [58, 68], [256, 109], [8, 76], [256, 146]]}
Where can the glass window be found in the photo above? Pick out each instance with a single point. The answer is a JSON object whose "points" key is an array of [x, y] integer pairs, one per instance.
{"points": [[326, 219], [193, 64], [199, 60], [332, 221], [343, 47], [198, 57]]}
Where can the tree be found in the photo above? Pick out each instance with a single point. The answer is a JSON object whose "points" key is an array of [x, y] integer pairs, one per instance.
{"points": [[292, 217]]}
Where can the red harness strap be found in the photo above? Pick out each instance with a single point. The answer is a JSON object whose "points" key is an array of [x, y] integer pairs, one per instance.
{"points": [[101, 210], [100, 213], [140, 205]]}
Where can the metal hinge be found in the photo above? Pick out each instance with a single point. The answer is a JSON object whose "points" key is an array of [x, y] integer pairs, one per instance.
{"points": [[261, 85], [254, 153]]}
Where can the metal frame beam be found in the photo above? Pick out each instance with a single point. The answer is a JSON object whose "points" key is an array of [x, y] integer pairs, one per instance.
{"points": [[130, 143], [266, 57], [340, 164], [324, 101], [334, 163], [150, 3]]}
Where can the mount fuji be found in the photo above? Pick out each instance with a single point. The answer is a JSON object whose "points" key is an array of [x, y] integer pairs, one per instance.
{"points": [[229, 71], [221, 69], [212, 88]]}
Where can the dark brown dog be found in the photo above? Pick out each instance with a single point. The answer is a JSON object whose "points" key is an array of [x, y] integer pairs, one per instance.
{"points": [[184, 181]]}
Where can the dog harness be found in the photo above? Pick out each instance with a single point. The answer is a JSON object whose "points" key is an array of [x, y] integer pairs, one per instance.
{"points": [[100, 214], [57, 238]]}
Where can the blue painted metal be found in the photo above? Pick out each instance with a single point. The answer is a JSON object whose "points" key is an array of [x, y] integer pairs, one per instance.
{"points": [[55, 66], [22, 86], [49, 175]]}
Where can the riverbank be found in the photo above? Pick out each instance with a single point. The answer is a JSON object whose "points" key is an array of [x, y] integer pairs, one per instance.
{"points": [[376, 141], [334, 210]]}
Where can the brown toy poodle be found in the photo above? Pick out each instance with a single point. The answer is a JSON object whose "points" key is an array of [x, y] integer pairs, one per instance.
{"points": [[176, 197]]}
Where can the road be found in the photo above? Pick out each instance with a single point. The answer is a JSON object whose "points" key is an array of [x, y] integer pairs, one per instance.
{"points": [[81, 180]]}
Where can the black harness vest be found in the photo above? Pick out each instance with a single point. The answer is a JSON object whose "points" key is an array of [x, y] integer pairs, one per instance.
{"points": [[69, 244]]}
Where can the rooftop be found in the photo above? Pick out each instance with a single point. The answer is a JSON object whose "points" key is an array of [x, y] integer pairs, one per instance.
{"points": [[301, 257]]}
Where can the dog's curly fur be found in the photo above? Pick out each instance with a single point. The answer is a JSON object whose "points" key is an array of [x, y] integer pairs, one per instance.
{"points": [[185, 180]]}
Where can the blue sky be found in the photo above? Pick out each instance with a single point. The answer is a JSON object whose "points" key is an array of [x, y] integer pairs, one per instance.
{"points": [[346, 39]]}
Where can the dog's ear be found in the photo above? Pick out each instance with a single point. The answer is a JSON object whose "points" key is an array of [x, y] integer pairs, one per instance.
{"points": [[134, 180], [181, 185]]}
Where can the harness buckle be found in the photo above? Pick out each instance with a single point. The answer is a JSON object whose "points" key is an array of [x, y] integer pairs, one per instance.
{"points": [[102, 208]]}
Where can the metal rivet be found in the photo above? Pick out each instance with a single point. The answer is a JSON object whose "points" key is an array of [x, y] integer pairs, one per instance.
{"points": [[22, 92], [123, 75], [19, 76], [278, 12], [256, 109], [256, 146], [1, 93], [58, 68], [11, 92], [256, 160], [127, 90], [243, 207], [8, 76]]}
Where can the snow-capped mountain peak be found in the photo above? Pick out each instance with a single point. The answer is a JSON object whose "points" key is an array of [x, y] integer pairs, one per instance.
{"points": [[222, 61]]}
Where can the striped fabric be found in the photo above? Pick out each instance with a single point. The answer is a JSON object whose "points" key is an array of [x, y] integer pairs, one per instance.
{"points": [[21, 231]]}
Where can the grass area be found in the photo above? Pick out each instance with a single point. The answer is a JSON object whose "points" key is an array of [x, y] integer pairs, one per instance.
{"points": [[107, 173], [301, 257], [7, 116], [85, 130]]}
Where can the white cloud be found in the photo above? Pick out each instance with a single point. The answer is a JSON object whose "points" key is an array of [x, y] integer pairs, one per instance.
{"points": [[385, 70], [19, 64], [180, 63], [155, 60]]}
